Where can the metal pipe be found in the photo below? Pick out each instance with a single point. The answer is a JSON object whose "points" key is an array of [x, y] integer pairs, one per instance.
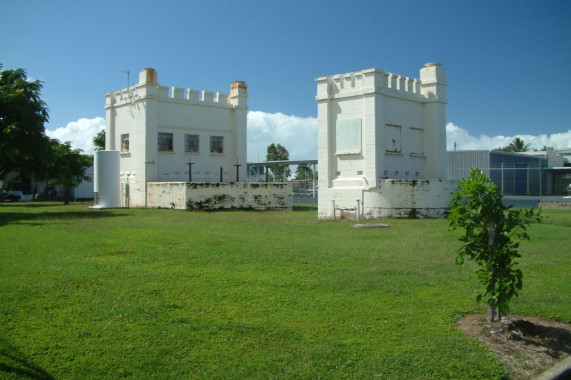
{"points": [[333, 206], [540, 180], [314, 182]]}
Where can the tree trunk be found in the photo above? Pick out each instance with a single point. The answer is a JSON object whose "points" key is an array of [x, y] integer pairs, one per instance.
{"points": [[491, 313], [491, 242], [66, 196]]}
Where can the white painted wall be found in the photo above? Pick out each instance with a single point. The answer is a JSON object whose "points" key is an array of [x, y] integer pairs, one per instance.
{"points": [[394, 198], [85, 189], [147, 109], [409, 198], [239, 195], [373, 126]]}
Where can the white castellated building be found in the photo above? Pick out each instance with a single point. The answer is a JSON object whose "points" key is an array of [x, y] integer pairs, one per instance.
{"points": [[158, 130], [382, 144]]}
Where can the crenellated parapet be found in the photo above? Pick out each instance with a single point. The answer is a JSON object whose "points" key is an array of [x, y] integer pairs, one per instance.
{"points": [[199, 97], [371, 81], [149, 88]]}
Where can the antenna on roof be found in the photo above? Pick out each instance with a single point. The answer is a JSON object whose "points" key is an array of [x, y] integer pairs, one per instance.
{"points": [[130, 96], [124, 72]]}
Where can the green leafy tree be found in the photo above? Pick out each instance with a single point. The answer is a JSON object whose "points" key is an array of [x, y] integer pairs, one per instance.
{"points": [[490, 238], [68, 167], [99, 140], [517, 145], [24, 147], [277, 172], [303, 171]]}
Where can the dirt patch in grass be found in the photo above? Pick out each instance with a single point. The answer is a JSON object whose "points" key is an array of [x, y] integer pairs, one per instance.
{"points": [[527, 346]]}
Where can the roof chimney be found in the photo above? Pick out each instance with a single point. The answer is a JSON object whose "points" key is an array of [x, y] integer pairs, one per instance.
{"points": [[148, 76]]}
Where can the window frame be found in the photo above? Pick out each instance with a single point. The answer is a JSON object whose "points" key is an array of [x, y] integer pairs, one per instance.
{"points": [[396, 142], [125, 139], [187, 146], [169, 142], [216, 144]]}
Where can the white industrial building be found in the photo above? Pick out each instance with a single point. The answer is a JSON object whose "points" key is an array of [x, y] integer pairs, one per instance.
{"points": [[382, 144]]}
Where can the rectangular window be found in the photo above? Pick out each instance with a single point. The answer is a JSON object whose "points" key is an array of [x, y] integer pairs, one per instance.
{"points": [[216, 144], [165, 142], [125, 143], [416, 141], [191, 143], [393, 138]]}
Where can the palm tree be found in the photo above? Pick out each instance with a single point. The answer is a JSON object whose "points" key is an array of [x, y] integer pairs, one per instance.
{"points": [[517, 145]]}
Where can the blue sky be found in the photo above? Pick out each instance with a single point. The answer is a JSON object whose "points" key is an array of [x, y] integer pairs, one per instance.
{"points": [[508, 63]]}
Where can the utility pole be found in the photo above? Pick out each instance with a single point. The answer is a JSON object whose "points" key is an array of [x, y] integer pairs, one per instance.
{"points": [[190, 163], [237, 171]]}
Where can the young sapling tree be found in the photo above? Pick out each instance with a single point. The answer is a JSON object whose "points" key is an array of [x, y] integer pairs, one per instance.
{"points": [[491, 234]]}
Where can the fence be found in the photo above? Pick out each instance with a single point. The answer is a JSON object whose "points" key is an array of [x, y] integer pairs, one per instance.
{"points": [[304, 190]]}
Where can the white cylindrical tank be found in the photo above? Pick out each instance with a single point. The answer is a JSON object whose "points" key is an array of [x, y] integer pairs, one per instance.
{"points": [[106, 181]]}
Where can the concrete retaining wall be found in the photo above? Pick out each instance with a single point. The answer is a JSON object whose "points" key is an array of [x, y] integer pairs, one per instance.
{"points": [[212, 196], [392, 198]]}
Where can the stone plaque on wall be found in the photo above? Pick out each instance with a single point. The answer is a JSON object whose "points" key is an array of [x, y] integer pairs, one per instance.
{"points": [[348, 136]]}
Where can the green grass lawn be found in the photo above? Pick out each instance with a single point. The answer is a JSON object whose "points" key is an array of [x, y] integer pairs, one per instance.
{"points": [[242, 294]]}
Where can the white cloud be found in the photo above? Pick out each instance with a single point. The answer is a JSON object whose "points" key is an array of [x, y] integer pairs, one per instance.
{"points": [[465, 141], [297, 134], [80, 133]]}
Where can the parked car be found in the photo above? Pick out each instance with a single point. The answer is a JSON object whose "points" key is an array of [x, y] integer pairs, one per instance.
{"points": [[8, 196]]}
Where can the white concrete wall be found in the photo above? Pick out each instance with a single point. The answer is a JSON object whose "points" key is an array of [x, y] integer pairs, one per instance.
{"points": [[127, 112], [85, 189], [146, 109], [409, 199], [392, 198], [210, 196]]}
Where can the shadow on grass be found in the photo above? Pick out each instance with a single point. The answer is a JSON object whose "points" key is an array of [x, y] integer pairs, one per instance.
{"points": [[295, 207], [32, 204], [40, 218], [553, 340], [304, 207], [14, 362]]}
